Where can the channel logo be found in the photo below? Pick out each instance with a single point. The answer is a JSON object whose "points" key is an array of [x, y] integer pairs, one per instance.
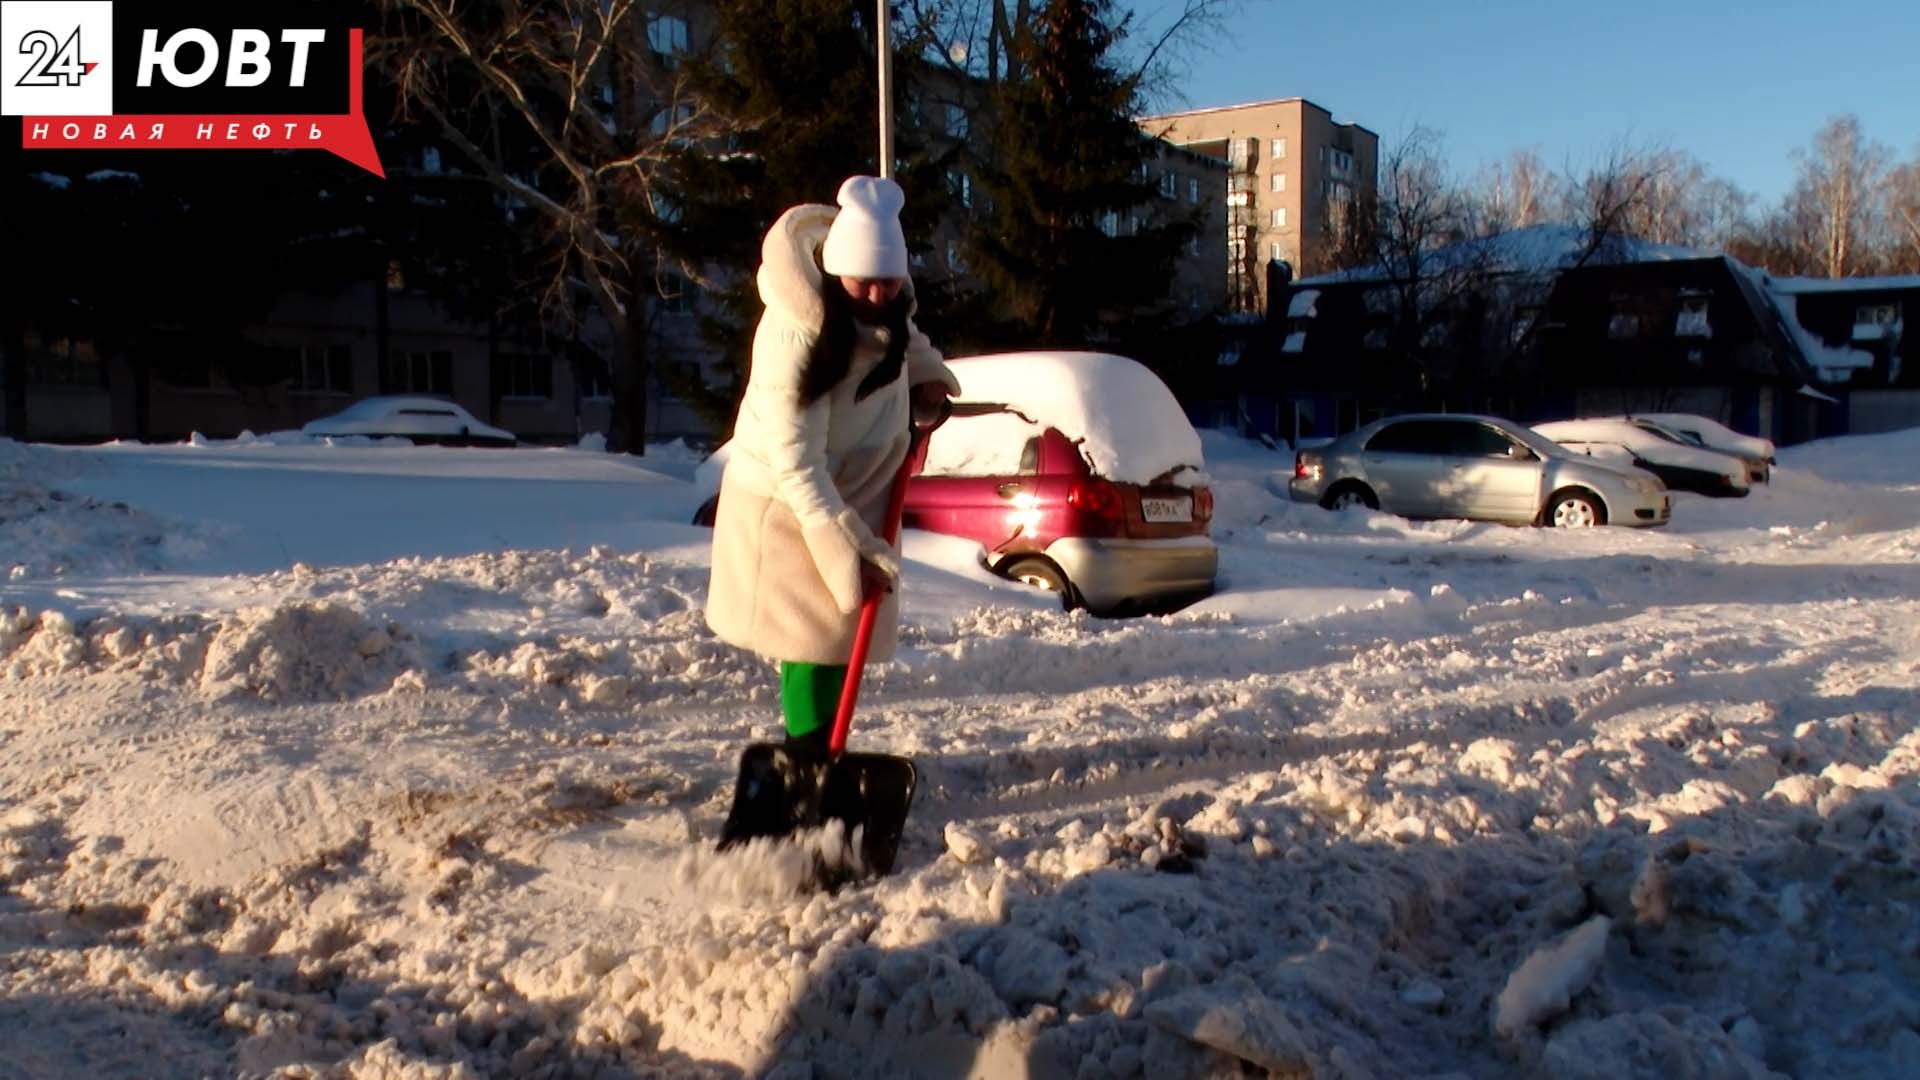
{"points": [[93, 74]]}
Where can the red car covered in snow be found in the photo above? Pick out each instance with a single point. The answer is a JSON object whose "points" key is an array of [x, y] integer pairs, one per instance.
{"points": [[1077, 472]]}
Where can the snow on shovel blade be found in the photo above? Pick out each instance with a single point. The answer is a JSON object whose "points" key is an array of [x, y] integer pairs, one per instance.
{"points": [[779, 793]]}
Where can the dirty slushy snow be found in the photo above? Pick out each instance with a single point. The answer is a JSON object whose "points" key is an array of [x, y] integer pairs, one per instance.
{"points": [[373, 761]]}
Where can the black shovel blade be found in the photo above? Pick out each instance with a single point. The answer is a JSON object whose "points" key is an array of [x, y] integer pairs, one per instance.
{"points": [[779, 792], [871, 792]]}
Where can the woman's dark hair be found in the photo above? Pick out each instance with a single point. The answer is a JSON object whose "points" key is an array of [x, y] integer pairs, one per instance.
{"points": [[833, 352]]}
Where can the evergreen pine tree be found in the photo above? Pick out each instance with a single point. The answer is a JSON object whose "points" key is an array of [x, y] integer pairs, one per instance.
{"points": [[1075, 242]]}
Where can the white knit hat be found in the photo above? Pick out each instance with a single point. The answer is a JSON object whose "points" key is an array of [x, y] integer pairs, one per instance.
{"points": [[865, 240]]}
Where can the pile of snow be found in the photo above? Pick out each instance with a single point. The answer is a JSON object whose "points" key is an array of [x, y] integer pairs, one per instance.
{"points": [[49, 532], [1405, 798]]}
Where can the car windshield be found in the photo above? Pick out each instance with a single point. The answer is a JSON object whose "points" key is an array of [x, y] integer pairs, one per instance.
{"points": [[1534, 441], [1659, 432]]}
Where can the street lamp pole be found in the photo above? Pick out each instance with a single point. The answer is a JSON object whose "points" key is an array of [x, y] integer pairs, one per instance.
{"points": [[884, 37]]}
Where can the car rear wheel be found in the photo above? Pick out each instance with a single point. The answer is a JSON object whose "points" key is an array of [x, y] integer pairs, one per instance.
{"points": [[1032, 570], [1346, 496], [1574, 510]]}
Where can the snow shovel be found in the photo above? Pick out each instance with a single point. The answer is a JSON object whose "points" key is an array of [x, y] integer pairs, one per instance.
{"points": [[780, 791]]}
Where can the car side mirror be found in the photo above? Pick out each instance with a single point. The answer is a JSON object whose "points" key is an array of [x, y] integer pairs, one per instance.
{"points": [[1519, 453]]}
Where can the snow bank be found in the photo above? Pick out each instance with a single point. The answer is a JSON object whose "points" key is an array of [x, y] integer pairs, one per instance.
{"points": [[452, 813]]}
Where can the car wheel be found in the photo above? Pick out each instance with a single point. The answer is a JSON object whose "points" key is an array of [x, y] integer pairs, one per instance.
{"points": [[1574, 510], [1032, 570], [1346, 496]]}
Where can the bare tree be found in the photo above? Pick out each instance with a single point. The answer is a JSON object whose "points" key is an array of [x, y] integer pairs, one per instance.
{"points": [[1838, 195], [572, 112], [1516, 193], [1610, 200], [981, 39], [1411, 235], [1903, 216], [1725, 214]]}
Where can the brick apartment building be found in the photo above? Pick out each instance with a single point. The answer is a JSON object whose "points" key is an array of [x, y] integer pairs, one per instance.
{"points": [[1292, 172]]}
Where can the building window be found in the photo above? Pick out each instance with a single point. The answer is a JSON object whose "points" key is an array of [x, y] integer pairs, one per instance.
{"points": [[418, 373], [960, 185], [1193, 189], [1169, 185], [1872, 322], [326, 370], [667, 121], [63, 362], [592, 382], [1193, 244], [1523, 322], [957, 257], [1279, 149], [1110, 222], [1624, 325], [1239, 198], [519, 375], [1277, 252], [1280, 217], [959, 124], [666, 34], [1692, 320], [1277, 182], [1242, 153]]}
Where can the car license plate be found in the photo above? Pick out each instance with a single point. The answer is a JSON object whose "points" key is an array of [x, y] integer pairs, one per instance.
{"points": [[1160, 508]]}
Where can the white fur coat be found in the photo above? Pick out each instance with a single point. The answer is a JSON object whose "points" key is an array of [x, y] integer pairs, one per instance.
{"points": [[804, 496]]}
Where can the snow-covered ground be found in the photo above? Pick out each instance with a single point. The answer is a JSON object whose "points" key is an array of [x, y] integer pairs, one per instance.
{"points": [[374, 761]]}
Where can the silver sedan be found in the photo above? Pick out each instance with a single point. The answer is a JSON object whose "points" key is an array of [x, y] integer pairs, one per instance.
{"points": [[1453, 465]]}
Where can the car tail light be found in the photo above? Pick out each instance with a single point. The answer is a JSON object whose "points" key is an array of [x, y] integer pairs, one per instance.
{"points": [[1202, 504], [1306, 466], [1097, 498]]}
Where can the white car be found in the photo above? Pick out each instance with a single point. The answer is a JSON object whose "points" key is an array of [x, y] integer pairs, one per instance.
{"points": [[1757, 452], [422, 419], [1679, 464]]}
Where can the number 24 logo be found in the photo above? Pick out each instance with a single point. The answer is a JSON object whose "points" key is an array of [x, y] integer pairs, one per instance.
{"points": [[54, 63]]}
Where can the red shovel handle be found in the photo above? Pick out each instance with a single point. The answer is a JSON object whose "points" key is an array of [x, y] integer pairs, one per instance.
{"points": [[869, 614]]}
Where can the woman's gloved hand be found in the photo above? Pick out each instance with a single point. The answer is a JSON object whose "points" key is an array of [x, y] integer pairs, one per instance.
{"points": [[874, 582], [932, 404]]}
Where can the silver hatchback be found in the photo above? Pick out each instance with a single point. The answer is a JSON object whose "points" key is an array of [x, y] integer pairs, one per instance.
{"points": [[1452, 465]]}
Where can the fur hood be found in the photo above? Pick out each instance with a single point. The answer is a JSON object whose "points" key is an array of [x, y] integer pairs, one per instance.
{"points": [[790, 277]]}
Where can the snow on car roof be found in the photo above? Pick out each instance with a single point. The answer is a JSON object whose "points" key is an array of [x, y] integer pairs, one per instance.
{"points": [[368, 408], [1123, 417]]}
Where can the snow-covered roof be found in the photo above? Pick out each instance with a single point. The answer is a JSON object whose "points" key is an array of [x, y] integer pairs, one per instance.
{"points": [[1125, 420], [1534, 249], [1794, 286]]}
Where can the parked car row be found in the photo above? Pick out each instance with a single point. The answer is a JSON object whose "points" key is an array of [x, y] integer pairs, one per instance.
{"points": [[1648, 445], [1451, 465], [1079, 473]]}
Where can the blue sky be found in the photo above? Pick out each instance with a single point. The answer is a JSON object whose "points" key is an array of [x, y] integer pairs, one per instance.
{"points": [[1739, 83]]}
